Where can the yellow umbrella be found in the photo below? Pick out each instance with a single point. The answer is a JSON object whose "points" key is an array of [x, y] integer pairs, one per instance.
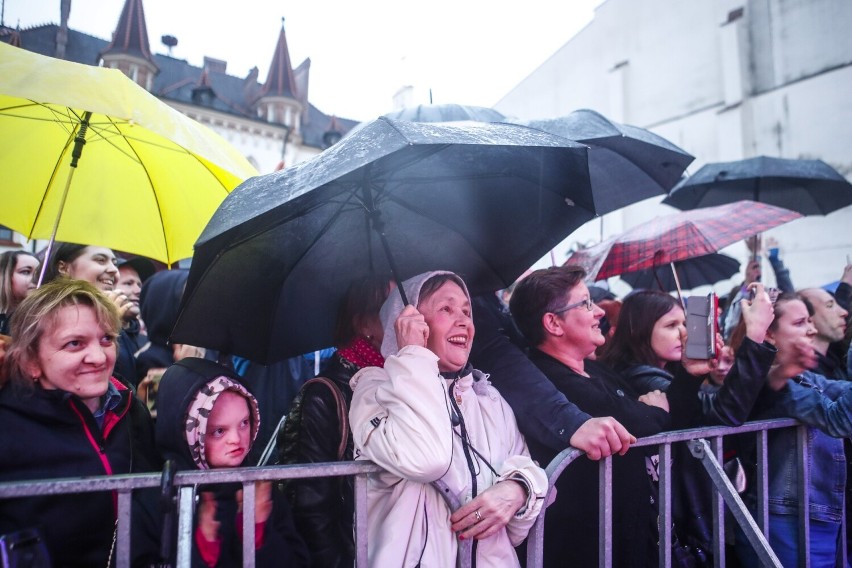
{"points": [[146, 179]]}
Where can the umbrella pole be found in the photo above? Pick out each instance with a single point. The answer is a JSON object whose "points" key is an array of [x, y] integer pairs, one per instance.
{"points": [[677, 285], [79, 142], [379, 227]]}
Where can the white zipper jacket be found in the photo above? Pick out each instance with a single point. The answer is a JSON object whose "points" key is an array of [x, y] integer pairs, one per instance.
{"points": [[401, 418]]}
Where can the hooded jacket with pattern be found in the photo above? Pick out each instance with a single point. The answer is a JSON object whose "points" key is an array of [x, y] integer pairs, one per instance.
{"points": [[181, 383]]}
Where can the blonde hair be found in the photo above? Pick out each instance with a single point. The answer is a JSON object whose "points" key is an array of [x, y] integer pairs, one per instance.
{"points": [[38, 312]]}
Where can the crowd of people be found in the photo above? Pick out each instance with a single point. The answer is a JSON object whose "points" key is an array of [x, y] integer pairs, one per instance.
{"points": [[460, 399]]}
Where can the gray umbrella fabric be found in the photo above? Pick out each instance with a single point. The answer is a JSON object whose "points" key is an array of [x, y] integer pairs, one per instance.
{"points": [[483, 200], [626, 163], [810, 187]]}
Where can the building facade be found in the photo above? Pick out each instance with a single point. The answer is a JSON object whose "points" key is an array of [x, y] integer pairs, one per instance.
{"points": [[273, 123], [724, 80]]}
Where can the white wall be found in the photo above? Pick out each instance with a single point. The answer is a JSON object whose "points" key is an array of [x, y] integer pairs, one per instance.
{"points": [[776, 81]]}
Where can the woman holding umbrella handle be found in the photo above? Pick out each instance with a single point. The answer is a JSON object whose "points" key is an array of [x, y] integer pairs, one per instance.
{"points": [[428, 416]]}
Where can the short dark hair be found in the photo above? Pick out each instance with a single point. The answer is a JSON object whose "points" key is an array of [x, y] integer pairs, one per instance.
{"points": [[540, 292], [631, 342], [364, 298]]}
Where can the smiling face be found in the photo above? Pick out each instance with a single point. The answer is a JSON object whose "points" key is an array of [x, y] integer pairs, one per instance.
{"points": [[75, 354], [23, 277], [95, 265], [228, 436], [447, 313], [665, 337], [581, 327]]}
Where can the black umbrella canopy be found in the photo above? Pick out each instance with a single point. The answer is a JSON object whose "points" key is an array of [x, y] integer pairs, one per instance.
{"points": [[692, 273], [627, 164], [446, 113], [810, 187], [483, 200]]}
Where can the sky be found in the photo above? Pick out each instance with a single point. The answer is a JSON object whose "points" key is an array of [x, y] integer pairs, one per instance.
{"points": [[466, 51]]}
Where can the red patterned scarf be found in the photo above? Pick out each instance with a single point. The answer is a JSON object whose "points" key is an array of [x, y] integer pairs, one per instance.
{"points": [[362, 354]]}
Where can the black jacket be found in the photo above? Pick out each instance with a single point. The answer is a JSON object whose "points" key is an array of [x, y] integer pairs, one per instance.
{"points": [[324, 507], [50, 433], [730, 405], [572, 521], [282, 545]]}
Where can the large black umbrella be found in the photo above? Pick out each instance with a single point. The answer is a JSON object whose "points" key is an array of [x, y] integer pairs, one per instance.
{"points": [[810, 187], [627, 164], [484, 200], [691, 272]]}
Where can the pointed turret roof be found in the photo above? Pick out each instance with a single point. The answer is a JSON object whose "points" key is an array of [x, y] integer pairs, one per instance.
{"points": [[131, 34], [280, 81]]}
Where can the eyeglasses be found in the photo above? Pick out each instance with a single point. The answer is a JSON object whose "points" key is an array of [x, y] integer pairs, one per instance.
{"points": [[590, 305]]}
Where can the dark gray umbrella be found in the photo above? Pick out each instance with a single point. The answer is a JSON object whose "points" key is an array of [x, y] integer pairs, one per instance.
{"points": [[691, 272], [483, 200], [810, 187], [626, 163], [446, 113]]}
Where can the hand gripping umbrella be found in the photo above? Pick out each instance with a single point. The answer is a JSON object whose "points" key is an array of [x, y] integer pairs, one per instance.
{"points": [[483, 200], [88, 156]]}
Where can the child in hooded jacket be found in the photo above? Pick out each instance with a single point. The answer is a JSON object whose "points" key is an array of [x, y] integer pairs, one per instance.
{"points": [[208, 419]]}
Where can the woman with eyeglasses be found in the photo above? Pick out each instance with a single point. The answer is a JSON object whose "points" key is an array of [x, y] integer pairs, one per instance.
{"points": [[554, 311]]}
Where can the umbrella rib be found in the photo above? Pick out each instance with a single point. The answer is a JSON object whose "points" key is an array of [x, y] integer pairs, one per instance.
{"points": [[50, 181], [151, 183]]}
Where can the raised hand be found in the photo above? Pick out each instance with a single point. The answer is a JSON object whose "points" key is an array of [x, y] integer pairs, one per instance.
{"points": [[411, 328]]}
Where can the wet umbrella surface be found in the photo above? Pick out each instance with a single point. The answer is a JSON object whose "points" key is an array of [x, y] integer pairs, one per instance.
{"points": [[483, 200]]}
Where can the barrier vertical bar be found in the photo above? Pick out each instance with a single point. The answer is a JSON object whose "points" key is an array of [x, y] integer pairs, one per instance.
{"points": [[605, 513], [186, 508], [361, 520], [718, 511], [665, 505], [122, 530], [249, 504], [763, 482]]}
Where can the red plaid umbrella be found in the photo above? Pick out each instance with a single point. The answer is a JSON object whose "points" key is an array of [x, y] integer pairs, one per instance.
{"points": [[679, 236]]}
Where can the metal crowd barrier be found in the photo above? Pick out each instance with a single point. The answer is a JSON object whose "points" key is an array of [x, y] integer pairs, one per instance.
{"points": [[705, 445]]}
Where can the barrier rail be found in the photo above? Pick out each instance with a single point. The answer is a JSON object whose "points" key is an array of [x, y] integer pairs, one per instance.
{"points": [[705, 445]]}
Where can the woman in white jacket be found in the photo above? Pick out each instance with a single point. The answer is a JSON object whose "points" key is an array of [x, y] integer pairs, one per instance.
{"points": [[429, 418]]}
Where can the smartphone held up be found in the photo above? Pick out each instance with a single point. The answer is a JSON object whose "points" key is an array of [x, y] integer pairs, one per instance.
{"points": [[701, 326]]}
